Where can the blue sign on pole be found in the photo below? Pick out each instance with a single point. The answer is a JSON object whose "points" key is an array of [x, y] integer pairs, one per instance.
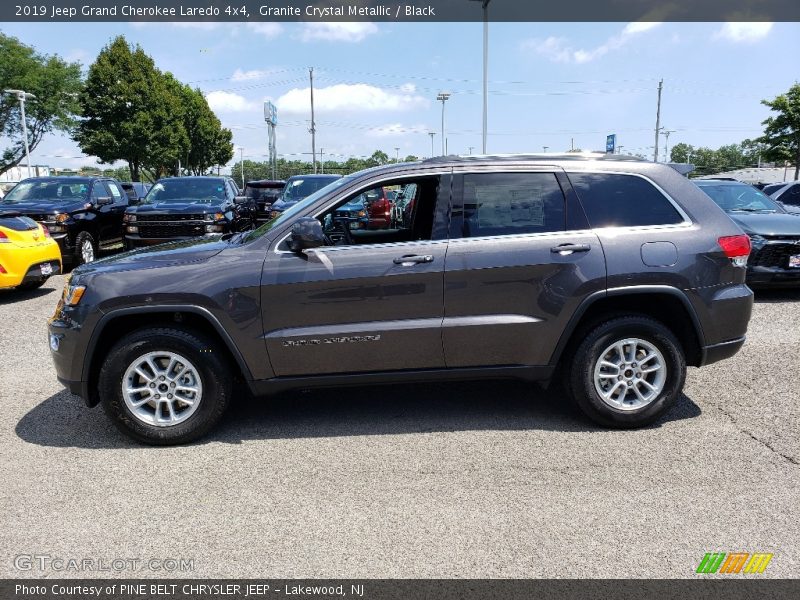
{"points": [[611, 143]]}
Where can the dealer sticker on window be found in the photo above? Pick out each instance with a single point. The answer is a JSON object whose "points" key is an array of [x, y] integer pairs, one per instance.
{"points": [[794, 261], [47, 268]]}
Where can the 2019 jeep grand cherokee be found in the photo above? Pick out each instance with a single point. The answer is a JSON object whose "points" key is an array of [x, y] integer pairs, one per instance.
{"points": [[613, 275]]}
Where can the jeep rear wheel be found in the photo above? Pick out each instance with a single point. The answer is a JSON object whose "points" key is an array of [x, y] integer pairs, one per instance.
{"points": [[165, 386], [627, 372]]}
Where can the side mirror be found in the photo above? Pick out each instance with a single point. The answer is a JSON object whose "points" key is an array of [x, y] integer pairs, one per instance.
{"points": [[103, 200], [306, 233]]}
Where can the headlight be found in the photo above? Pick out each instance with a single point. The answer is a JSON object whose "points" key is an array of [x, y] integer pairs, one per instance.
{"points": [[62, 218], [274, 214], [362, 213], [56, 228], [214, 228], [132, 229], [215, 217], [129, 218]]}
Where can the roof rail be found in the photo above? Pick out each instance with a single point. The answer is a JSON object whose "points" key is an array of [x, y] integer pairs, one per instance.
{"points": [[576, 156]]}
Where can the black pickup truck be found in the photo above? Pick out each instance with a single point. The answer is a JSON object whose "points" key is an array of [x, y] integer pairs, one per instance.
{"points": [[179, 208], [83, 214]]}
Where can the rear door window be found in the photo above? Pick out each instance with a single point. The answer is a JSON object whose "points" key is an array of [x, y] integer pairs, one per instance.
{"points": [[511, 204], [618, 200]]}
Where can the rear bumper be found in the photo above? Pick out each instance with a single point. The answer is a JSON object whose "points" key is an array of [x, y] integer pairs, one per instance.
{"points": [[23, 264], [718, 352]]}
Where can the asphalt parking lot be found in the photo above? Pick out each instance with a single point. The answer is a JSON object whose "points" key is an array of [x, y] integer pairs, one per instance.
{"points": [[468, 480]]}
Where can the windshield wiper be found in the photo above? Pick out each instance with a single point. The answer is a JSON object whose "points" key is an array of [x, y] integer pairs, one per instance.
{"points": [[753, 210]]}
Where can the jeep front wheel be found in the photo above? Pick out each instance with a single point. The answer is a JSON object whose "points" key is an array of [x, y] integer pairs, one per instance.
{"points": [[627, 372], [165, 386]]}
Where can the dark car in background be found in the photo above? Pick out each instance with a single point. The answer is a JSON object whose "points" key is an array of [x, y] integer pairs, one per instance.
{"points": [[264, 193], [179, 208], [136, 190], [774, 233], [298, 188], [83, 214]]}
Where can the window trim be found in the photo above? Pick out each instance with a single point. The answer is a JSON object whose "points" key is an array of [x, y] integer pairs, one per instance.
{"points": [[686, 219]]}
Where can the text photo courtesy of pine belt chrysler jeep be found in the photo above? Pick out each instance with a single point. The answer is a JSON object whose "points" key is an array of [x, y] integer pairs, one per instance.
{"points": [[609, 274]]}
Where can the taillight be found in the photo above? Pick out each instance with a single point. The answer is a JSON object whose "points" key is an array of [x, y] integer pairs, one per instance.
{"points": [[45, 230], [736, 247], [4, 238], [2, 270]]}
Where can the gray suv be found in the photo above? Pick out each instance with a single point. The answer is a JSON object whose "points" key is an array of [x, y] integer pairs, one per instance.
{"points": [[608, 274]]}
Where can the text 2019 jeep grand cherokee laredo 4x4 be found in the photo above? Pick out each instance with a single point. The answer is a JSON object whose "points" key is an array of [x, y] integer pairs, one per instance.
{"points": [[614, 273]]}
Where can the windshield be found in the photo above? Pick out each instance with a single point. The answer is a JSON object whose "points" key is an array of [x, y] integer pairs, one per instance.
{"points": [[289, 213], [200, 191], [297, 189], [739, 198], [48, 191]]}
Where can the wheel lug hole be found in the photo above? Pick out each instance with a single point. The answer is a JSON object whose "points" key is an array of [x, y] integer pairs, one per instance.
{"points": [[152, 385]]}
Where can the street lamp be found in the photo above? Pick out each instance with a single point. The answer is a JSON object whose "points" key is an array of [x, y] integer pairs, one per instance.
{"points": [[485, 4], [432, 134], [397, 154], [545, 148], [22, 97], [443, 97]]}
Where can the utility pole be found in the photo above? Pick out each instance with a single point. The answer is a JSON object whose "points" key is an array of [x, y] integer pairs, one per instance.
{"points": [[22, 97], [443, 97], [471, 148], [432, 134], [544, 148], [397, 154], [313, 129], [658, 119], [572, 143], [485, 4], [322, 161], [666, 133]]}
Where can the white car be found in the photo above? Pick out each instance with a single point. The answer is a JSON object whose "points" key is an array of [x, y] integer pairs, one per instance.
{"points": [[788, 194]]}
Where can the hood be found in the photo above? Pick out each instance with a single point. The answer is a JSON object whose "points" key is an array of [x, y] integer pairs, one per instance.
{"points": [[176, 252], [768, 223], [188, 207], [44, 207]]}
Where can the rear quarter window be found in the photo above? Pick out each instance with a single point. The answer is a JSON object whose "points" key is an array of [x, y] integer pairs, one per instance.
{"points": [[616, 200]]}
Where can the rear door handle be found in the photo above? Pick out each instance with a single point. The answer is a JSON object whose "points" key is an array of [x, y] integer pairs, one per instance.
{"points": [[413, 259], [565, 249]]}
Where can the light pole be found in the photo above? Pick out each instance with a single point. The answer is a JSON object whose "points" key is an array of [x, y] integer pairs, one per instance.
{"points": [[471, 148], [443, 97], [322, 161], [22, 97], [432, 134], [397, 154], [545, 148], [241, 162], [485, 4]]}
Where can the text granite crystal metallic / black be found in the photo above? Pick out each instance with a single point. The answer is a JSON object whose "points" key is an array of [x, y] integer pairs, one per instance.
{"points": [[609, 274]]}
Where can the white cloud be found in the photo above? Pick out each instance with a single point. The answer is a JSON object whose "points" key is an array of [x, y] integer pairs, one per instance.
{"points": [[255, 74], [268, 30], [744, 32], [337, 32], [558, 49], [395, 130], [344, 97], [228, 102]]}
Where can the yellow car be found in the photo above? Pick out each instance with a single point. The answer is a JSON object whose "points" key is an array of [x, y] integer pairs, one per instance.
{"points": [[28, 255]]}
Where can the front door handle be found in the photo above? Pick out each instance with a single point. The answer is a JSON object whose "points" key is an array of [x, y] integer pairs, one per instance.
{"points": [[566, 249], [413, 259]]}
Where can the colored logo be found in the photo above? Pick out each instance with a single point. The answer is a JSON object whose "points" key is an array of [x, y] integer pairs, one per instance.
{"points": [[734, 562]]}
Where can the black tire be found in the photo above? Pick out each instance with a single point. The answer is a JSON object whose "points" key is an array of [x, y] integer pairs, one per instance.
{"points": [[580, 371], [32, 285], [82, 239], [213, 369]]}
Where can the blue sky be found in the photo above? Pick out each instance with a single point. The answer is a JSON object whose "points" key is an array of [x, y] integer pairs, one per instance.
{"points": [[376, 84]]}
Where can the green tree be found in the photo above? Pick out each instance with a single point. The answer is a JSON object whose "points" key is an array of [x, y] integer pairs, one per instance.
{"points": [[681, 153], [131, 112], [378, 158], [55, 83], [209, 144], [782, 131]]}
